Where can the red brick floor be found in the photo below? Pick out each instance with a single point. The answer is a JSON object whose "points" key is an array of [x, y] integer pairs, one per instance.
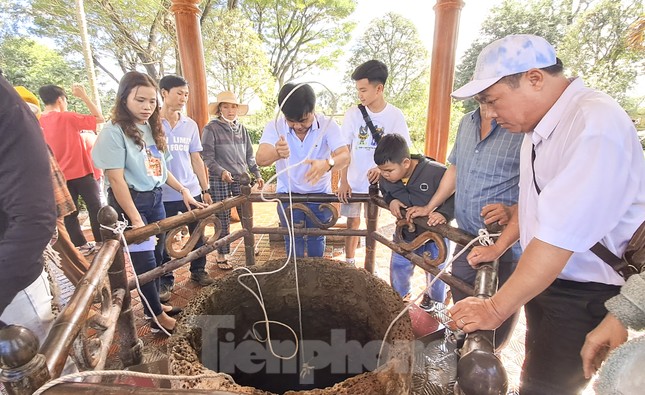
{"points": [[265, 215]]}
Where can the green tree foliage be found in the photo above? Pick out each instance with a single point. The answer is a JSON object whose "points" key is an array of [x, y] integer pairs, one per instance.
{"points": [[132, 34], [300, 35], [234, 57], [395, 41], [604, 59], [590, 34], [32, 65]]}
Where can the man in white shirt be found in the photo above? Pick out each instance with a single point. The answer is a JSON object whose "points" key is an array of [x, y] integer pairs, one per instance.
{"points": [[581, 182], [310, 145]]}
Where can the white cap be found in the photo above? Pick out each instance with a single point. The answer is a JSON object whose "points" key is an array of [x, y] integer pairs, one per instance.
{"points": [[510, 55]]}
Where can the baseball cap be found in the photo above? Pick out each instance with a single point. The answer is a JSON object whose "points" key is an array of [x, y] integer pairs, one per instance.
{"points": [[507, 56]]}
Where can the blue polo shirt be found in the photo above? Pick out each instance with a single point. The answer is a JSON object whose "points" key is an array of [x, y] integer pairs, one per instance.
{"points": [[488, 171], [323, 138]]}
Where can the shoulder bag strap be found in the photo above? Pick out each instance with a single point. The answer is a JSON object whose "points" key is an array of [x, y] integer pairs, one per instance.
{"points": [[602, 252], [368, 121]]}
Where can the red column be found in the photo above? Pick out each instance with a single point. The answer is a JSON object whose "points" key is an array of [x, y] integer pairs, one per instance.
{"points": [[442, 72], [191, 55]]}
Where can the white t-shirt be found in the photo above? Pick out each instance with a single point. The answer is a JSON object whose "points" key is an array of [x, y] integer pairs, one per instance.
{"points": [[323, 138], [589, 166], [390, 120]]}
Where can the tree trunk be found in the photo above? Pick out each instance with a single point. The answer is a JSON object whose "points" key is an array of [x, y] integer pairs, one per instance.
{"points": [[87, 53]]}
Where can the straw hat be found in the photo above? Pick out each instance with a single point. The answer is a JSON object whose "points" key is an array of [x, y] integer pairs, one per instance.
{"points": [[227, 97]]}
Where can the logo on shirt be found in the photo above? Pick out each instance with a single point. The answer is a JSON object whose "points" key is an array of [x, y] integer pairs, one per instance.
{"points": [[364, 133], [178, 143], [424, 187]]}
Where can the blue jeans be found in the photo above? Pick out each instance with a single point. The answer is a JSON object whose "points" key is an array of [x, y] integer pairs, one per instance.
{"points": [[401, 271], [199, 264], [151, 209], [315, 244]]}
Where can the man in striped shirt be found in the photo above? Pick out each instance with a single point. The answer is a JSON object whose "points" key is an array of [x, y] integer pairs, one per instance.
{"points": [[484, 174]]}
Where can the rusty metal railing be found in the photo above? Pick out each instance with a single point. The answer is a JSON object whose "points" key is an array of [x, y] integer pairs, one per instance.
{"points": [[24, 369]]}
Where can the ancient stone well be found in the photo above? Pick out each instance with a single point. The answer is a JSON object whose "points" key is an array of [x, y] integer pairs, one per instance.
{"points": [[345, 314]]}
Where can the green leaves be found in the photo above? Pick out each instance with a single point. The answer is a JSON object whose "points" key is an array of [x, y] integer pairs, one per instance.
{"points": [[590, 37], [394, 40]]}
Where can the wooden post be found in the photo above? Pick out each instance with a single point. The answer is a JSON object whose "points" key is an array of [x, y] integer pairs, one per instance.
{"points": [[442, 74], [23, 369], [130, 346], [191, 55], [372, 224], [246, 217]]}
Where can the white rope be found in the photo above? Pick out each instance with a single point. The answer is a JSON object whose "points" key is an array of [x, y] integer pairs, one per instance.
{"points": [[482, 238], [107, 373], [118, 230], [306, 368]]}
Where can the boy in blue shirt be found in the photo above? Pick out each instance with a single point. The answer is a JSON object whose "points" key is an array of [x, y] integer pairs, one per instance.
{"points": [[408, 181]]}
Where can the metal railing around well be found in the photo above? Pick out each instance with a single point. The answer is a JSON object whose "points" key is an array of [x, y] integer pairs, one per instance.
{"points": [[101, 306]]}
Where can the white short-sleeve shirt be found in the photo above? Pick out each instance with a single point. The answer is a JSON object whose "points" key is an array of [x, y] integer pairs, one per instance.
{"points": [[590, 168], [389, 120], [323, 138]]}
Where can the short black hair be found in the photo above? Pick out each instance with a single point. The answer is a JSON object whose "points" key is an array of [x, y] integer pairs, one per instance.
{"points": [[171, 81], [374, 70], [50, 93], [300, 103], [392, 148]]}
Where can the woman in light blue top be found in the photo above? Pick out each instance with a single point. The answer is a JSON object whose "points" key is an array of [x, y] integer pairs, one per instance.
{"points": [[131, 149]]}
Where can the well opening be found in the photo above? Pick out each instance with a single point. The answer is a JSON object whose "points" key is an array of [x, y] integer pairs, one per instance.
{"points": [[345, 314]]}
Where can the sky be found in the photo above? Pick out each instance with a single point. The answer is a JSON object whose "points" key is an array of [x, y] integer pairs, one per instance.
{"points": [[422, 15]]}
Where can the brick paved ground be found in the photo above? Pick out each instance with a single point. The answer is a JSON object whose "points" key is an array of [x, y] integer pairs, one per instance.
{"points": [[265, 215]]}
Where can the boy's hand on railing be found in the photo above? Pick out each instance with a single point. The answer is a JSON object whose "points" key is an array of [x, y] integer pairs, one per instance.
{"points": [[190, 201], [373, 175], [395, 208], [344, 192], [207, 198], [418, 211], [436, 218]]}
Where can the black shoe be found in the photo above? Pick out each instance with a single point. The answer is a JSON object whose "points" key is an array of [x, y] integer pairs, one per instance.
{"points": [[202, 278], [174, 311], [154, 328], [165, 292]]}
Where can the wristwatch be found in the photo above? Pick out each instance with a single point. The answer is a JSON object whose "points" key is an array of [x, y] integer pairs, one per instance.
{"points": [[206, 191], [331, 163]]}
